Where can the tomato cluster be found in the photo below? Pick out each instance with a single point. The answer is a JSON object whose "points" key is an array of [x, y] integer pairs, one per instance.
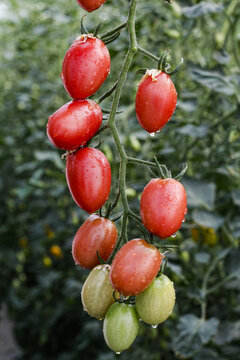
{"points": [[131, 286], [110, 292]]}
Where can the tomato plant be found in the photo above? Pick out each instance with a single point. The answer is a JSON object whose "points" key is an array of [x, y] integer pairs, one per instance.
{"points": [[90, 5], [74, 124], [120, 326], [97, 292], [134, 267], [163, 206], [155, 304], [86, 66], [156, 100], [89, 178], [96, 234]]}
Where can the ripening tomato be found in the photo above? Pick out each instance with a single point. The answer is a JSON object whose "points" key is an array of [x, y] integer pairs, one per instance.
{"points": [[97, 292], [120, 326], [88, 176], [156, 101], [74, 124], [134, 267], [85, 67], [90, 5], [96, 234], [155, 304], [163, 206]]}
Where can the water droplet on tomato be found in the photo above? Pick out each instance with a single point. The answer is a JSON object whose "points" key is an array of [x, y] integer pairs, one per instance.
{"points": [[152, 134], [158, 131], [118, 352], [174, 235], [154, 326], [184, 220]]}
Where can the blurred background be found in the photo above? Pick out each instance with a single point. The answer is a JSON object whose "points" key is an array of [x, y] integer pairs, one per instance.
{"points": [[39, 284]]}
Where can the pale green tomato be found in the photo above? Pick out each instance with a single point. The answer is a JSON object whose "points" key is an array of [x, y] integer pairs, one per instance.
{"points": [[120, 326], [97, 292], [155, 304]]}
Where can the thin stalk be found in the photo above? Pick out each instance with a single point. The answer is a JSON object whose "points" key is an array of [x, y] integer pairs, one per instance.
{"points": [[115, 30], [148, 54]]}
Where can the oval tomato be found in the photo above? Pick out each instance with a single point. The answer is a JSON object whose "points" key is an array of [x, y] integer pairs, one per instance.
{"points": [[163, 206], [97, 292], [134, 267], [156, 101], [96, 234], [74, 124], [90, 5], [85, 67], [88, 176], [120, 326], [155, 304]]}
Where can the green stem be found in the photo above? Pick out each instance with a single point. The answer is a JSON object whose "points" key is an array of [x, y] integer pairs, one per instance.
{"points": [[148, 54], [142, 162], [133, 48], [114, 31]]}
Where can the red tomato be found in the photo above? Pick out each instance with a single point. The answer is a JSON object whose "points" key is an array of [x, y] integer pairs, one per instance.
{"points": [[163, 206], [156, 101], [96, 234], [74, 124], [90, 5], [134, 267], [85, 67], [88, 176]]}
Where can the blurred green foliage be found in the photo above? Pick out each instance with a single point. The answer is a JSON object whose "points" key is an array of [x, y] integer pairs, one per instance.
{"points": [[41, 288]]}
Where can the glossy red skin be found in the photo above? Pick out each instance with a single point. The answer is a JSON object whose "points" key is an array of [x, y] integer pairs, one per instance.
{"points": [[163, 206], [74, 124], [96, 234], [155, 102], [88, 176], [86, 66], [134, 267], [90, 5]]}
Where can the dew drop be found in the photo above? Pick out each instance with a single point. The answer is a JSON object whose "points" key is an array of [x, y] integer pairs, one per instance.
{"points": [[184, 220], [174, 235], [118, 352], [152, 134], [154, 326], [158, 131]]}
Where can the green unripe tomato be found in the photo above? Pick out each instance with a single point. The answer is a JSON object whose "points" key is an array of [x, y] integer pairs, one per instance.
{"points": [[97, 292], [120, 326], [155, 304]]}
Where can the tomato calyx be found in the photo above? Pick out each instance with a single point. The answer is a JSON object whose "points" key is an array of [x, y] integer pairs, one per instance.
{"points": [[123, 299], [164, 173]]}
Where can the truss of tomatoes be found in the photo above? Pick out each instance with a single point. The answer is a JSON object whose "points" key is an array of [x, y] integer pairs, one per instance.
{"points": [[132, 287]]}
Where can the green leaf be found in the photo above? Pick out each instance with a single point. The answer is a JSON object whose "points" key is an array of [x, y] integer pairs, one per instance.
{"points": [[233, 264], [208, 354], [194, 131], [203, 8], [228, 332], [236, 197], [200, 194], [213, 80], [192, 334], [49, 156], [207, 219]]}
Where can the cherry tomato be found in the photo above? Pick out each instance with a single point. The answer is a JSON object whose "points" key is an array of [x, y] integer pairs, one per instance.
{"points": [[88, 176], [97, 292], [155, 304], [74, 124], [85, 67], [134, 267], [163, 206], [120, 326], [156, 101], [90, 5], [96, 234]]}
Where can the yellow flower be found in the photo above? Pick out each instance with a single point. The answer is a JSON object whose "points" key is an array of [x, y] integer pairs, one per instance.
{"points": [[207, 235], [56, 251], [47, 261], [23, 241]]}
